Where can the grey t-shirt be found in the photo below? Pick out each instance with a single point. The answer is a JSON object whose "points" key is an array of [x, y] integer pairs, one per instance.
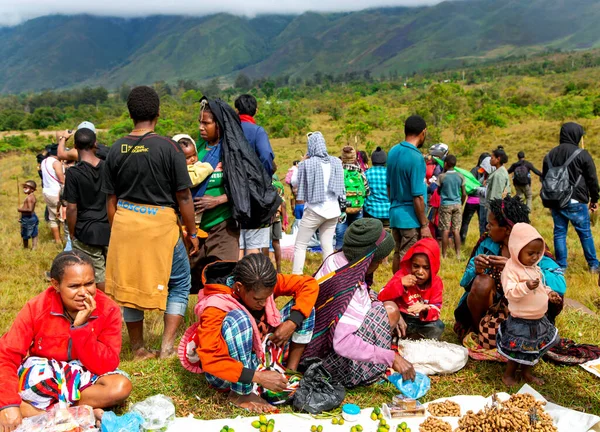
{"points": [[451, 184]]}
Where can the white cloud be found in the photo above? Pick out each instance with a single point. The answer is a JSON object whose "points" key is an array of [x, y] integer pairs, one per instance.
{"points": [[13, 12]]}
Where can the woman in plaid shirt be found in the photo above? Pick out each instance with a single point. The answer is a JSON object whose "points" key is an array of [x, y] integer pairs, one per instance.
{"points": [[377, 204]]}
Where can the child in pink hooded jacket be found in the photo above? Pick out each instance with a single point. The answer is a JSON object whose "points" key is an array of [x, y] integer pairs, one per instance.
{"points": [[527, 334]]}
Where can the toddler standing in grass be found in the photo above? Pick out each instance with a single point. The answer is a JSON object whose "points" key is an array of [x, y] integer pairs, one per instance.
{"points": [[527, 334], [29, 220]]}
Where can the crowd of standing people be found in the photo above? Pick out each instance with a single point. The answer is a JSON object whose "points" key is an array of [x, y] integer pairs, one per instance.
{"points": [[157, 219]]}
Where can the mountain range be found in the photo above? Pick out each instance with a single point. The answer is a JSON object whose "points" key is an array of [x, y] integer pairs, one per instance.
{"points": [[60, 51]]}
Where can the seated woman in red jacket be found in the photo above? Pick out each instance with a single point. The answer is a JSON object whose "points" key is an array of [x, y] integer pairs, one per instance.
{"points": [[417, 290], [64, 344]]}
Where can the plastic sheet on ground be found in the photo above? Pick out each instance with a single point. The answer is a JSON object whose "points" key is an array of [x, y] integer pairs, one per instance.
{"points": [[566, 420]]}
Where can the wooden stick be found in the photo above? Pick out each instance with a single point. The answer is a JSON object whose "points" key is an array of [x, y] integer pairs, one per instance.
{"points": [[18, 193]]}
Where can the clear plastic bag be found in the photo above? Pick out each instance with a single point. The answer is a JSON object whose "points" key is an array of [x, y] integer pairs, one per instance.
{"points": [[157, 411], [61, 419], [413, 389]]}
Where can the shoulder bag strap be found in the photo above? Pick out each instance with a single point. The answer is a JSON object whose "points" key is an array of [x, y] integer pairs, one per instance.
{"points": [[572, 157], [570, 160]]}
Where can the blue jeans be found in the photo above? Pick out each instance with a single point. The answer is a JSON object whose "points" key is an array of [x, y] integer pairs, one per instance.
{"points": [[483, 211], [341, 228], [579, 216], [417, 329], [180, 283]]}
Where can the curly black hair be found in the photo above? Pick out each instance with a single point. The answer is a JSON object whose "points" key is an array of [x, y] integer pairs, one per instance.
{"points": [[143, 104], [255, 271], [67, 259], [509, 211], [85, 139]]}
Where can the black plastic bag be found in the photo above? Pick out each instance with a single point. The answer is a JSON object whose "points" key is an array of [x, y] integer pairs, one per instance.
{"points": [[316, 393]]}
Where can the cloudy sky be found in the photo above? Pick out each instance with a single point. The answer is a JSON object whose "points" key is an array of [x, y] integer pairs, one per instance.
{"points": [[15, 11]]}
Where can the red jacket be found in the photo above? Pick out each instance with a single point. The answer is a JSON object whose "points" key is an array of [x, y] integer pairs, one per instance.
{"points": [[41, 330], [430, 294]]}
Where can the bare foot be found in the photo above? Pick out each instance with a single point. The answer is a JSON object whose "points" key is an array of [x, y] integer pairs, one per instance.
{"points": [[510, 380], [529, 378], [144, 354], [251, 402], [165, 354]]}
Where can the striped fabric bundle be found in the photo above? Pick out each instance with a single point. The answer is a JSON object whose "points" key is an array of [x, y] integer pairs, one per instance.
{"points": [[335, 292]]}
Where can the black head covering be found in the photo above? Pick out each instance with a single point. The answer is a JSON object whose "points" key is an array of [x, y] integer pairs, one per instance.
{"points": [[378, 157], [571, 133], [253, 198]]}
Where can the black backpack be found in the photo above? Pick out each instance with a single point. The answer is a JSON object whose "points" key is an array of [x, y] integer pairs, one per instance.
{"points": [[556, 187], [521, 177]]}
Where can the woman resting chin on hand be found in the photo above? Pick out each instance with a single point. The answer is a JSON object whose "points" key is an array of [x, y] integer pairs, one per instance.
{"points": [[71, 330]]}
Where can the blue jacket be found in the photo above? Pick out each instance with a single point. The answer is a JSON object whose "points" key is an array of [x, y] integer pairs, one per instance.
{"points": [[259, 141]]}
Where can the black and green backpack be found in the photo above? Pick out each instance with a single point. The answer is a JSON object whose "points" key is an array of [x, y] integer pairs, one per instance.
{"points": [[356, 192]]}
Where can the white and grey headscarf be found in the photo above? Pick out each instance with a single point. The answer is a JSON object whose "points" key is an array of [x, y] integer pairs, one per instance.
{"points": [[311, 186]]}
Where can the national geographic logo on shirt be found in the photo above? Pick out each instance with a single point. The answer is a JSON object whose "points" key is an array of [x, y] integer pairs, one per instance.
{"points": [[126, 148]]}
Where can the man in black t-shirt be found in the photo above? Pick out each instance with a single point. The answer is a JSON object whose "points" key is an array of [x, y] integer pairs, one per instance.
{"points": [[147, 185], [86, 204]]}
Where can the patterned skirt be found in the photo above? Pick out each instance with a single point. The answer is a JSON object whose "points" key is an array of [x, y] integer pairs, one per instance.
{"points": [[375, 330], [43, 382], [526, 341]]}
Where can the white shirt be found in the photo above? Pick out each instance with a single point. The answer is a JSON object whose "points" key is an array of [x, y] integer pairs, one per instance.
{"points": [[50, 183], [330, 208]]}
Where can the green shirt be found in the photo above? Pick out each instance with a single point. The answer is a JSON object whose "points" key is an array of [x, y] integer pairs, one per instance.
{"points": [[215, 188]]}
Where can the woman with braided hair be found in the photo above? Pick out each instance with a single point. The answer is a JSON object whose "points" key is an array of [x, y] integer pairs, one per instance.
{"points": [[483, 306], [64, 345], [236, 311]]}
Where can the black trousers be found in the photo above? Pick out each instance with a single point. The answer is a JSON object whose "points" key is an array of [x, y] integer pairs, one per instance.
{"points": [[468, 212]]}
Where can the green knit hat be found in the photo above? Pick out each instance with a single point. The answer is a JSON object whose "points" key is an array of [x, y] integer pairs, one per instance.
{"points": [[363, 235]]}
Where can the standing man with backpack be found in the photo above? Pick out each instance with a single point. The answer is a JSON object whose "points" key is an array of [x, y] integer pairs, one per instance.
{"points": [[258, 239], [357, 189], [569, 183], [522, 177]]}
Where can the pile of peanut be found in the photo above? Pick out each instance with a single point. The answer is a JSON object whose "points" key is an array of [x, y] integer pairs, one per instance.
{"points": [[521, 413], [524, 402], [432, 424], [444, 409]]}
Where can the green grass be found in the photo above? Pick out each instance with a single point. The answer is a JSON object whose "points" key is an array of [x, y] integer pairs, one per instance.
{"points": [[21, 277]]}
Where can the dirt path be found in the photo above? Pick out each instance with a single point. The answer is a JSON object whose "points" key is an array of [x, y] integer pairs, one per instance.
{"points": [[33, 133]]}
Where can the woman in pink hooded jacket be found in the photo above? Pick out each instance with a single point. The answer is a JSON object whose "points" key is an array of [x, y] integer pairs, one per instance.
{"points": [[527, 334]]}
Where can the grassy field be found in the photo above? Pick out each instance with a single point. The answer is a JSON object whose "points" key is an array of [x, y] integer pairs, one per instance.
{"points": [[21, 277]]}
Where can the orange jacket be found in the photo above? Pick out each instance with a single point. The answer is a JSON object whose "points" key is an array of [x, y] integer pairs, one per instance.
{"points": [[213, 352]]}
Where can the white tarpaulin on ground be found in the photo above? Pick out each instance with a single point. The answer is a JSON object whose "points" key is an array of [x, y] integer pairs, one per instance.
{"points": [[566, 420]]}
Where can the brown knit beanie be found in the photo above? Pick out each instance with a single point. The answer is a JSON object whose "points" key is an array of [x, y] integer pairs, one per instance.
{"points": [[348, 155]]}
